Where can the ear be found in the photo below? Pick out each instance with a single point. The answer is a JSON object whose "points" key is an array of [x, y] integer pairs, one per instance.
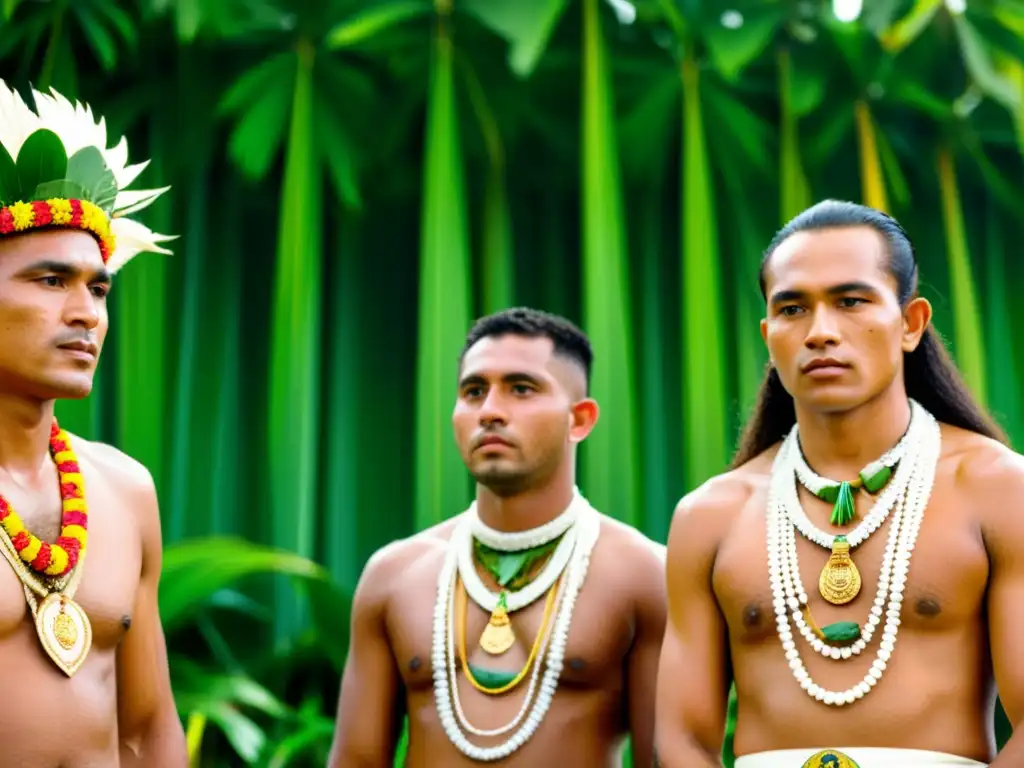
{"points": [[916, 318], [584, 416]]}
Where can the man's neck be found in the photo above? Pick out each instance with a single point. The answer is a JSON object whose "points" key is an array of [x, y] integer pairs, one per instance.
{"points": [[24, 436], [526, 510], [839, 445]]}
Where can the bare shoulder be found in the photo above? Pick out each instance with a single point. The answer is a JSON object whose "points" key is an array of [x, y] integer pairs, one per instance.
{"points": [[637, 560], [386, 566], [987, 475], [124, 473]]}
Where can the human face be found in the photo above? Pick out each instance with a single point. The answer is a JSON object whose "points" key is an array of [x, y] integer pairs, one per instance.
{"points": [[519, 411], [834, 328], [53, 313]]}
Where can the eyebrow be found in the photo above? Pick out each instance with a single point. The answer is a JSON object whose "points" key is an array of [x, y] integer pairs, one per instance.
{"points": [[66, 270], [508, 378], [853, 287]]}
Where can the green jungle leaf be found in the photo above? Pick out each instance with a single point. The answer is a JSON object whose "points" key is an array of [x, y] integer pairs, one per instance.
{"points": [[41, 158], [88, 168], [10, 183]]}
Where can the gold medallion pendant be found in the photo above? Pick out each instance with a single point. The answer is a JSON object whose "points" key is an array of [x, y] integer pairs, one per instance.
{"points": [[839, 582], [64, 631], [830, 758], [498, 636]]}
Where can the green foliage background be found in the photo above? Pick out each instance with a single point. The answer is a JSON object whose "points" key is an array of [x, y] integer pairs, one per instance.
{"points": [[355, 180]]}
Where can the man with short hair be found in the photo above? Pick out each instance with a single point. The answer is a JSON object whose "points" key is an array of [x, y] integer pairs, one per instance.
{"points": [[528, 627], [86, 682], [858, 571]]}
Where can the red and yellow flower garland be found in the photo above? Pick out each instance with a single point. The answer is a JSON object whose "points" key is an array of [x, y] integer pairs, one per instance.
{"points": [[58, 212], [59, 558]]}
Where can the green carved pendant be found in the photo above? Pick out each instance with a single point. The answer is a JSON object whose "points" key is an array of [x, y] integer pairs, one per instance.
{"points": [[841, 632], [511, 569], [841, 496], [491, 678]]}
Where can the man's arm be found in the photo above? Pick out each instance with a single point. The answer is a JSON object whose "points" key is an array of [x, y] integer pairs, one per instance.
{"points": [[642, 663], [693, 675], [1000, 483], [148, 725], [370, 704]]}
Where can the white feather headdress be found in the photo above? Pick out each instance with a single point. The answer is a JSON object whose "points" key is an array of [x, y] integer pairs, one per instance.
{"points": [[56, 170]]}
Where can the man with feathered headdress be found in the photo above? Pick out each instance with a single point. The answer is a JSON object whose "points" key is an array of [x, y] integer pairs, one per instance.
{"points": [[86, 680]]}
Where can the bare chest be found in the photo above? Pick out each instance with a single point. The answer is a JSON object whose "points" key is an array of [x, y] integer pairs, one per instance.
{"points": [[945, 584], [599, 634], [110, 568]]}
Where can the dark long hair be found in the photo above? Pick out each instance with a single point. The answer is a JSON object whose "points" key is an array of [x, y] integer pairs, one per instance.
{"points": [[929, 375]]}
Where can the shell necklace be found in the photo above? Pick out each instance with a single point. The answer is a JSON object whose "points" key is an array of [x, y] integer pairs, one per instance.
{"points": [[907, 497], [581, 533]]}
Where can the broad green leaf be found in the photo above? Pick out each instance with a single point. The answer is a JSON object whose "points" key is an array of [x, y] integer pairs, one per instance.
{"points": [[246, 737], [872, 180], [296, 743], [704, 366], [203, 690], [732, 49], [746, 131], [258, 135], [904, 89], [195, 570], [526, 24], [372, 21], [67, 190], [441, 482], [795, 193], [1002, 371], [9, 7], [273, 74], [648, 130], [968, 342], [295, 364], [41, 158], [119, 20], [991, 31], [877, 15], [979, 65], [89, 170], [99, 39], [892, 172], [906, 30], [807, 86], [339, 155], [10, 185], [607, 315], [330, 609]]}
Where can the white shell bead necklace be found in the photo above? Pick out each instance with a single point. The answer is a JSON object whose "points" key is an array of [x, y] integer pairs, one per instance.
{"points": [[909, 500], [584, 532]]}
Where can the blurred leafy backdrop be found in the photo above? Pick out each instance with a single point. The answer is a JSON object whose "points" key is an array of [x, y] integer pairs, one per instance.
{"points": [[356, 180]]}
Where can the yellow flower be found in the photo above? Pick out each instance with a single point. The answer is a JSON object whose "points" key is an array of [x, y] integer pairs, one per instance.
{"points": [[58, 561], [61, 210], [24, 216]]}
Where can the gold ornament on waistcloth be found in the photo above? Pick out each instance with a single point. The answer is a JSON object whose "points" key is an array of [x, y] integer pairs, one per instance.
{"points": [[62, 625], [839, 582], [830, 758], [498, 636]]}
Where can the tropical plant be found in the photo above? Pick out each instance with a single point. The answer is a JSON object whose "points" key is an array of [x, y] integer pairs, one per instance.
{"points": [[354, 181]]}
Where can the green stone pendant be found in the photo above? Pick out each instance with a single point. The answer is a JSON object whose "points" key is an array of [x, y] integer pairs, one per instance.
{"points": [[490, 678], [841, 632], [841, 497]]}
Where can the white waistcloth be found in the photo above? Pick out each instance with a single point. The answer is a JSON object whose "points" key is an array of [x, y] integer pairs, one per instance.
{"points": [[864, 757]]}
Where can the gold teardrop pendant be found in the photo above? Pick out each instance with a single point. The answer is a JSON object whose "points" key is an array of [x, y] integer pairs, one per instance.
{"points": [[839, 582], [498, 636]]}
